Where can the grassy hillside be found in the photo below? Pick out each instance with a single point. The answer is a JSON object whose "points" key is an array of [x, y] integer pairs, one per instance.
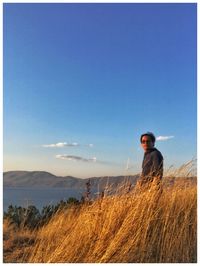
{"points": [[16, 242], [139, 226], [134, 225]]}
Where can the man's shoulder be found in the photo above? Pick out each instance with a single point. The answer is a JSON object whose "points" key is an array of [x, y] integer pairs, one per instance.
{"points": [[156, 152]]}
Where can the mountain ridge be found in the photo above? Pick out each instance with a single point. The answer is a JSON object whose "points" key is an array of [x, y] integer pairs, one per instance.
{"points": [[16, 179]]}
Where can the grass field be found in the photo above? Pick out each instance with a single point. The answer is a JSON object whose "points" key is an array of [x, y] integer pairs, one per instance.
{"points": [[135, 226]]}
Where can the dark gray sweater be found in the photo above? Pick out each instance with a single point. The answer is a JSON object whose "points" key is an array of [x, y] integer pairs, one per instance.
{"points": [[152, 165]]}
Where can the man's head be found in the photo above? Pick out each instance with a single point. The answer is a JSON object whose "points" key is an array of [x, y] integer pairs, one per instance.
{"points": [[147, 141]]}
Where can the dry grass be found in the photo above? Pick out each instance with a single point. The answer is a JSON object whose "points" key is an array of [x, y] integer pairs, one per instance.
{"points": [[148, 226], [16, 242], [136, 226]]}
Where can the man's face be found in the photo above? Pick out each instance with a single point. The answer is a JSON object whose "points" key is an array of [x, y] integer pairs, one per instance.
{"points": [[147, 143]]}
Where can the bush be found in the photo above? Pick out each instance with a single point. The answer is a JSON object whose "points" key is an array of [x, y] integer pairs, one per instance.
{"points": [[31, 217]]}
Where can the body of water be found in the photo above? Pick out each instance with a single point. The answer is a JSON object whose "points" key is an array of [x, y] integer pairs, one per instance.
{"points": [[38, 197]]}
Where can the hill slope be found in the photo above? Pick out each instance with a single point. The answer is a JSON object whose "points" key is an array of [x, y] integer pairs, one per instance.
{"points": [[45, 179], [146, 227]]}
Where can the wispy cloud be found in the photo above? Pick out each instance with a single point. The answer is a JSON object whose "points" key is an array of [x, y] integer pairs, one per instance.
{"points": [[82, 159], [75, 158], [64, 144], [164, 138], [129, 165], [90, 145]]}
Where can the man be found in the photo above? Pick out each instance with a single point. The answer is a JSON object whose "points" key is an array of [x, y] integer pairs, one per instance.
{"points": [[152, 165]]}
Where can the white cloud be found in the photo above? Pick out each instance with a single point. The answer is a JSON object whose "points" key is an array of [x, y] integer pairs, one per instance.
{"points": [[90, 145], [60, 144], [73, 144], [75, 158], [81, 159], [64, 144], [164, 138]]}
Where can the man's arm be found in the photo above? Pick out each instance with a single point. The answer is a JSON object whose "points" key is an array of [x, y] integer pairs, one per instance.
{"points": [[157, 165]]}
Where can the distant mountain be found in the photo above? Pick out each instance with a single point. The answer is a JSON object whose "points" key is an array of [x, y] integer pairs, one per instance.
{"points": [[42, 179]]}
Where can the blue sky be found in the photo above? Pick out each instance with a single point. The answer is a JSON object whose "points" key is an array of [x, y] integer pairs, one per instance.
{"points": [[100, 74]]}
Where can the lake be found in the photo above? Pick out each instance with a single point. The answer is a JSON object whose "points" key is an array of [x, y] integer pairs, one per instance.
{"points": [[37, 196]]}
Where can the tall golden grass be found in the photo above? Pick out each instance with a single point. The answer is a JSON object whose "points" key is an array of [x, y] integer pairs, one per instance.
{"points": [[16, 242], [137, 226]]}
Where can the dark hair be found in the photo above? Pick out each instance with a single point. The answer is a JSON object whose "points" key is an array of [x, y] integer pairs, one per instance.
{"points": [[150, 134]]}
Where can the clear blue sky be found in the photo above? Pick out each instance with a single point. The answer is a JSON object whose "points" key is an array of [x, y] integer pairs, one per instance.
{"points": [[98, 74]]}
